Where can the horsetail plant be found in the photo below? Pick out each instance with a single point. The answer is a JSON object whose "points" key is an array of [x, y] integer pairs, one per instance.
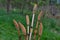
{"points": [[39, 16], [28, 22], [17, 27], [23, 30], [31, 28], [40, 30], [35, 31]]}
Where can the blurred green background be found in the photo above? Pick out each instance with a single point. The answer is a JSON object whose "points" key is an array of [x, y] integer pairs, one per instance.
{"points": [[18, 9]]}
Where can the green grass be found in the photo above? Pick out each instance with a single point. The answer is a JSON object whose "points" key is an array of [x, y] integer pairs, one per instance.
{"points": [[51, 31]]}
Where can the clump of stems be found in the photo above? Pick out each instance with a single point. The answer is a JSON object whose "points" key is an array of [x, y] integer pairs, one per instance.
{"points": [[28, 33]]}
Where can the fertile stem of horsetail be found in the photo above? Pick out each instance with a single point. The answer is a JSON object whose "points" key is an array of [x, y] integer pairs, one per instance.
{"points": [[40, 30], [27, 21], [17, 27], [31, 28], [35, 31], [23, 30], [39, 16]]}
